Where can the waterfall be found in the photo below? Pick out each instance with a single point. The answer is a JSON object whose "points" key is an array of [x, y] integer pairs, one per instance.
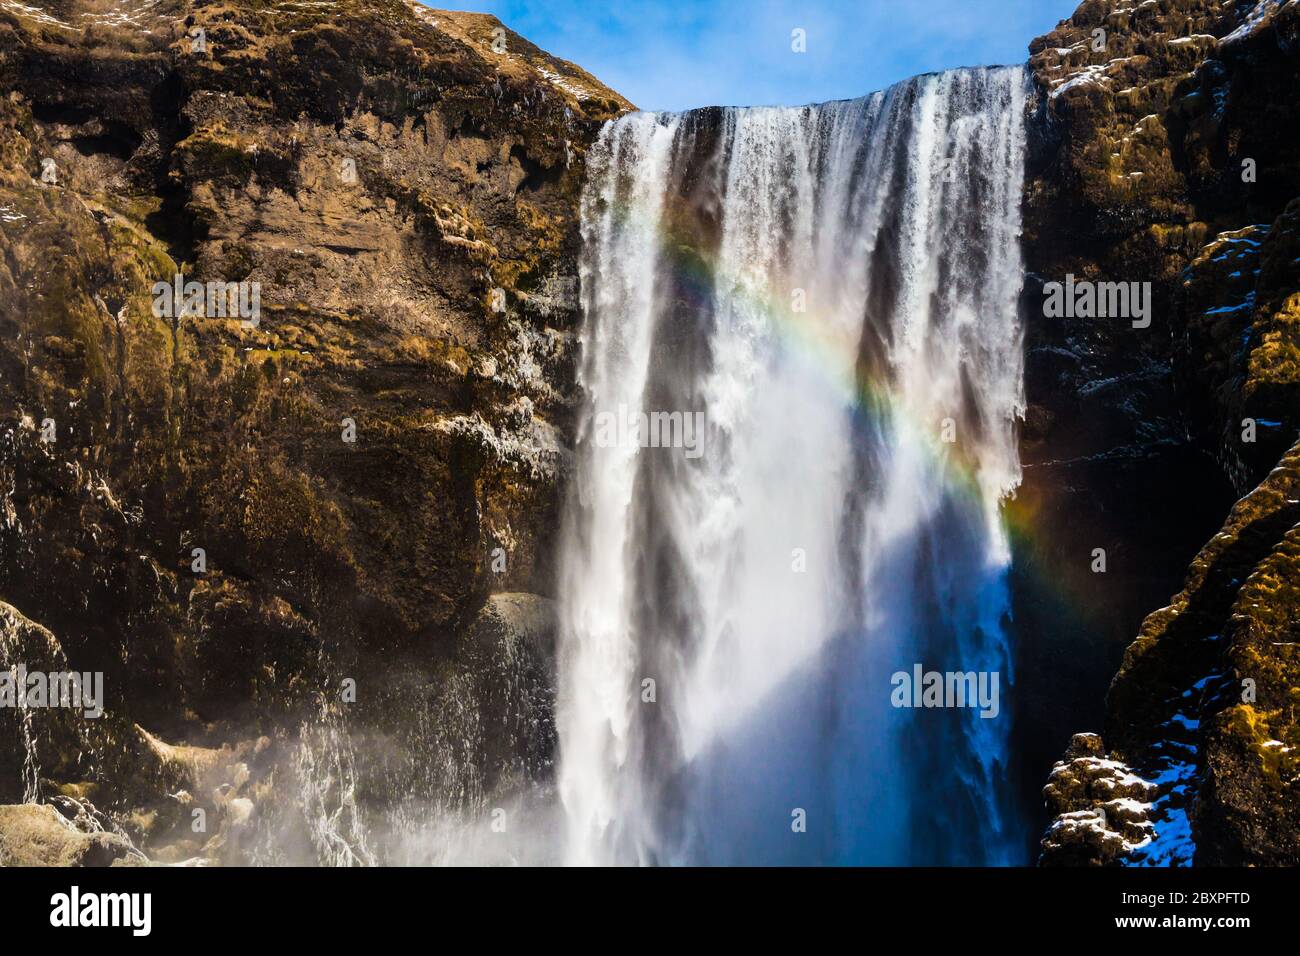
{"points": [[802, 373]]}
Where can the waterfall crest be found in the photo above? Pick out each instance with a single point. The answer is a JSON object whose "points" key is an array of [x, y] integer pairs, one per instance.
{"points": [[830, 294]]}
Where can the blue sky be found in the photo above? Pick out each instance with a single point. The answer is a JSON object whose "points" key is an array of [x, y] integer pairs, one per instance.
{"points": [[678, 54]]}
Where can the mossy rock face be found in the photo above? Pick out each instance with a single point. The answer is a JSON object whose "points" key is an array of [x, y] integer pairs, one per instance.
{"points": [[229, 515], [1239, 367], [1158, 138], [1137, 440], [1249, 807], [1206, 700], [82, 749], [32, 835]]}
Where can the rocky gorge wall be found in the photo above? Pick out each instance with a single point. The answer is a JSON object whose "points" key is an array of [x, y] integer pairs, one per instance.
{"points": [[361, 466], [1167, 155]]}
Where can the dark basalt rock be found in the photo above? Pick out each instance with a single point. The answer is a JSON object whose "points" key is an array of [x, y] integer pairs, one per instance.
{"points": [[1202, 713], [1143, 178]]}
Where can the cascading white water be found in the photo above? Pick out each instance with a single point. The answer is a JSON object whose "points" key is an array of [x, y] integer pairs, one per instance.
{"points": [[834, 290]]}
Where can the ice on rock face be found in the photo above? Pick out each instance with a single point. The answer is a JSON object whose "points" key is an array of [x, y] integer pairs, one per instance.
{"points": [[1256, 17]]}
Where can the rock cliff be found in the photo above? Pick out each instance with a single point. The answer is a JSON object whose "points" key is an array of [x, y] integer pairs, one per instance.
{"points": [[1166, 154], [231, 515]]}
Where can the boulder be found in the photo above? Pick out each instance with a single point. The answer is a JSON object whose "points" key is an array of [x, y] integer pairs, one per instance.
{"points": [[38, 835]]}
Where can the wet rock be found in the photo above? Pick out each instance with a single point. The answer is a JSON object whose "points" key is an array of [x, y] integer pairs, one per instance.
{"points": [[509, 657], [516, 625]]}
